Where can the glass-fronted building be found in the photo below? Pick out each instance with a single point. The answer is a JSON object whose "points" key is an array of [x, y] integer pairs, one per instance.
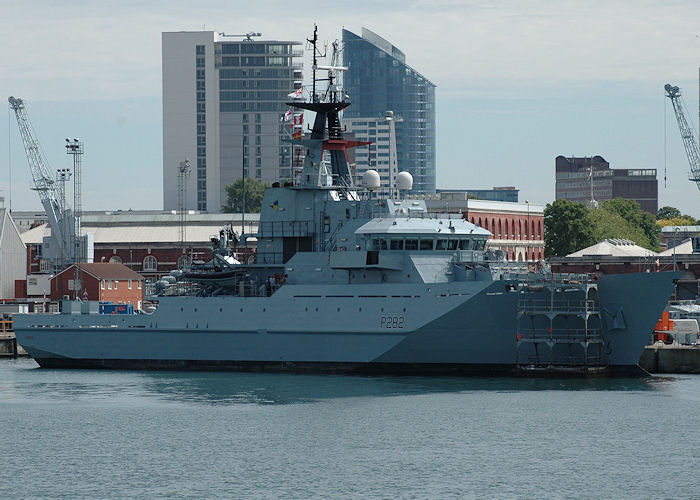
{"points": [[379, 80], [223, 103]]}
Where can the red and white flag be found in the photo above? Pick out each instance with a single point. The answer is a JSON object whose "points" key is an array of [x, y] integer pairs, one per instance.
{"points": [[299, 120], [287, 116], [296, 94]]}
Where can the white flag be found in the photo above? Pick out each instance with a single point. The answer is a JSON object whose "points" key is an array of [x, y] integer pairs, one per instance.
{"points": [[296, 94]]}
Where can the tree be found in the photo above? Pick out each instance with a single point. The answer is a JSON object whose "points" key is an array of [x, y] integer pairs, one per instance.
{"points": [[253, 196], [609, 224], [568, 227], [683, 220], [667, 213], [632, 212]]}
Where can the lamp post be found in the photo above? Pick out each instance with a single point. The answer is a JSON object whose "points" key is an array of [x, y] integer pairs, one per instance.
{"points": [[527, 232], [74, 147], [675, 244]]}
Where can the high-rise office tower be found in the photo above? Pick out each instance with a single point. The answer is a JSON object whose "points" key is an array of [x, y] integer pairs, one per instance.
{"points": [[379, 80], [223, 100]]}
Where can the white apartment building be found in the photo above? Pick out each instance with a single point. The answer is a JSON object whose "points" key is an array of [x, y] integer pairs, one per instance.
{"points": [[224, 97], [381, 154]]}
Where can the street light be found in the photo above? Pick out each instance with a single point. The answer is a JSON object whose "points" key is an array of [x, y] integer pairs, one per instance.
{"points": [[675, 244], [527, 232]]}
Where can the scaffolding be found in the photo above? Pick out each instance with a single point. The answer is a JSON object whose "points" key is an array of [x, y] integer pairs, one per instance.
{"points": [[559, 327]]}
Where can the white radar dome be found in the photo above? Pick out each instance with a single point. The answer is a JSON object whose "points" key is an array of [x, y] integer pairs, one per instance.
{"points": [[404, 180], [370, 179]]}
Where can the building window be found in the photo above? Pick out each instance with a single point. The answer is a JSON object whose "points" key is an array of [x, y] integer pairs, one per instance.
{"points": [[138, 284], [115, 259], [109, 284], [116, 284], [129, 285], [102, 284], [150, 263]]}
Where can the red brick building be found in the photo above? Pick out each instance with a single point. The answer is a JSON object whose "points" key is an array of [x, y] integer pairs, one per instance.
{"points": [[516, 227], [108, 282]]}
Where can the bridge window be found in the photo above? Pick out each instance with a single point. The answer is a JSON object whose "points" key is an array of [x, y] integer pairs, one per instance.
{"points": [[426, 244], [379, 243], [396, 244], [441, 245], [411, 244]]}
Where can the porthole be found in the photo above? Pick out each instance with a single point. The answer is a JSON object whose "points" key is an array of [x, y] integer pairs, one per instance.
{"points": [[339, 309], [195, 309], [382, 309], [221, 310], [181, 309], [404, 309], [241, 309], [263, 309], [317, 309], [306, 309], [359, 309]]}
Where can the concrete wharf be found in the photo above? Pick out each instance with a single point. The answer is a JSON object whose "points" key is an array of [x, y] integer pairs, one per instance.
{"points": [[673, 358], [8, 341]]}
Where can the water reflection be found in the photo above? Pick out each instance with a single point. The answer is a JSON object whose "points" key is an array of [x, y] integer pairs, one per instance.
{"points": [[237, 388], [24, 380]]}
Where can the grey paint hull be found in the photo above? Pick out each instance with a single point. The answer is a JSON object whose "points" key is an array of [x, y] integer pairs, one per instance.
{"points": [[454, 328]]}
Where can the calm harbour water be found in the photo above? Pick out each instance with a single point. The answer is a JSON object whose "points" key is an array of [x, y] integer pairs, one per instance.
{"points": [[109, 434]]}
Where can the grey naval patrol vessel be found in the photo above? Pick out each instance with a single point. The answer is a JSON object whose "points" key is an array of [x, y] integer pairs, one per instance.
{"points": [[347, 281]]}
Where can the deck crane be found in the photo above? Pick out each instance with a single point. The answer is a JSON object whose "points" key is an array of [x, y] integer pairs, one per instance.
{"points": [[58, 249], [689, 140]]}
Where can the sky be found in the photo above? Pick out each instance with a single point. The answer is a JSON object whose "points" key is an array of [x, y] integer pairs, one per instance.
{"points": [[518, 83]]}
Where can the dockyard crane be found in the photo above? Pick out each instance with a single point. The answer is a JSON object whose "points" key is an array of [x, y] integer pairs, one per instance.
{"points": [[689, 140], [59, 247]]}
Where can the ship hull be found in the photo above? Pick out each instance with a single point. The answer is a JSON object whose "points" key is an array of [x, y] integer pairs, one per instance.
{"points": [[465, 328]]}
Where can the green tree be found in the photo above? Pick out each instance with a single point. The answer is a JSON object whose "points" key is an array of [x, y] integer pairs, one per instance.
{"points": [[667, 213], [683, 220], [632, 212], [609, 224], [254, 190], [568, 227]]}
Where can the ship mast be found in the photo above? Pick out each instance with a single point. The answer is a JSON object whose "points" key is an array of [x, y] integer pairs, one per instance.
{"points": [[319, 141]]}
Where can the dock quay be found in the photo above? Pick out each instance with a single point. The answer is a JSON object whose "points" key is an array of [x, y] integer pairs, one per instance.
{"points": [[673, 358], [8, 341]]}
